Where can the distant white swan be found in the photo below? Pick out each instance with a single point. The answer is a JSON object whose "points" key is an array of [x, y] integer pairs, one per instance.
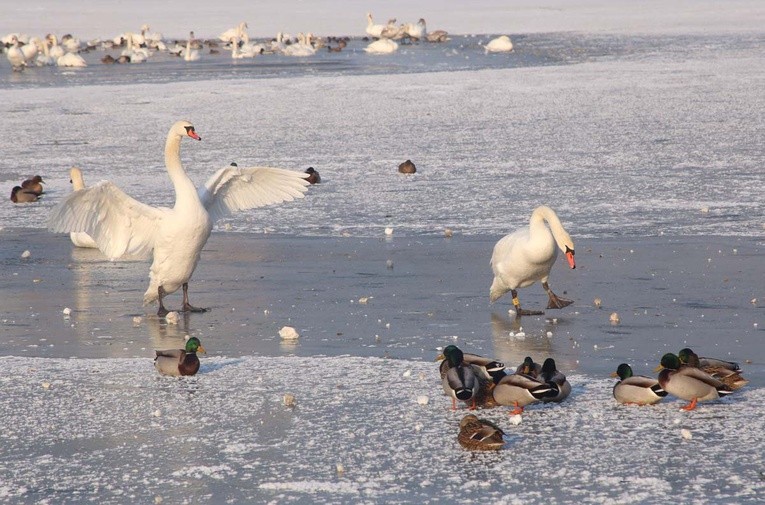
{"points": [[121, 225], [526, 256], [56, 51], [71, 60], [15, 55], [373, 30], [79, 238], [190, 54], [416, 31], [382, 46], [239, 32], [501, 44], [302, 48]]}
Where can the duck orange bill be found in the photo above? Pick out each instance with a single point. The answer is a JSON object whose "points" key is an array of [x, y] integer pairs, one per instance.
{"points": [[570, 258]]}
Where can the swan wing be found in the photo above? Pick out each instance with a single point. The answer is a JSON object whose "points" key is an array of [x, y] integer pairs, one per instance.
{"points": [[119, 224], [232, 189]]}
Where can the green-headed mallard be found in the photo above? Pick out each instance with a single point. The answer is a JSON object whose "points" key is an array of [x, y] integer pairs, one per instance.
{"points": [[689, 383], [480, 435], [520, 390], [550, 374], [636, 389], [458, 378], [177, 362], [728, 372]]}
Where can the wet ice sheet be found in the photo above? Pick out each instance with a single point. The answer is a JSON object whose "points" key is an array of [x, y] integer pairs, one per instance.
{"points": [[113, 431]]}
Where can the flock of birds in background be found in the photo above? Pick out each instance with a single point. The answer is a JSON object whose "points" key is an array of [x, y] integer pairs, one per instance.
{"points": [[23, 51]]}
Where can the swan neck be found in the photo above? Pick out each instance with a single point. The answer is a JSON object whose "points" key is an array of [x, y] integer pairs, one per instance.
{"points": [[561, 236], [77, 181], [181, 181]]}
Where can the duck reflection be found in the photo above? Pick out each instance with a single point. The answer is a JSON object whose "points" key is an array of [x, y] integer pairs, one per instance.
{"points": [[168, 336], [514, 341]]}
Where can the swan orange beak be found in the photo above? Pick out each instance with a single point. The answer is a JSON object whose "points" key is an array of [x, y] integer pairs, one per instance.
{"points": [[570, 258], [194, 135]]}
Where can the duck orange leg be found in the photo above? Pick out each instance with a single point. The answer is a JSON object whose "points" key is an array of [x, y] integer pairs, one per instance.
{"points": [[517, 410], [691, 405]]}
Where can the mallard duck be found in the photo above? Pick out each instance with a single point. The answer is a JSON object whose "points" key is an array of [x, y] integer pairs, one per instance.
{"points": [[728, 372], [520, 390], [34, 185], [550, 374], [458, 378], [313, 175], [480, 435], [177, 362], [527, 255], [689, 383], [528, 367], [21, 195], [407, 167], [636, 389]]}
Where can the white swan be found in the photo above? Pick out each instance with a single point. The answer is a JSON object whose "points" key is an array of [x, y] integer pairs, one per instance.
{"points": [[71, 60], [121, 225], [526, 256], [30, 49], [393, 31], [136, 54], [43, 56], [501, 44], [56, 51], [416, 31], [15, 55], [79, 238], [373, 30], [190, 54], [239, 32], [382, 46], [302, 48]]}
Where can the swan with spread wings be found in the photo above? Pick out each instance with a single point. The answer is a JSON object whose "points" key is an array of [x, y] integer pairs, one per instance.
{"points": [[123, 226]]}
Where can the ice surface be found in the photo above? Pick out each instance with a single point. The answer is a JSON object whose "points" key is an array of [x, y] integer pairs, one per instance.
{"points": [[224, 436]]}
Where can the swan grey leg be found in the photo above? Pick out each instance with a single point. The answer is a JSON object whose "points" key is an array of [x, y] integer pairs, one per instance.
{"points": [[187, 307], [518, 310], [556, 302], [162, 312]]}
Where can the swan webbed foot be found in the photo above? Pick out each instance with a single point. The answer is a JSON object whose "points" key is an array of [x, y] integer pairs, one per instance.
{"points": [[190, 308], [557, 302], [524, 312], [162, 312]]}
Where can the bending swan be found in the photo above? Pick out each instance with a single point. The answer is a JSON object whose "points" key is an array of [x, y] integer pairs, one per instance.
{"points": [[526, 256], [121, 225]]}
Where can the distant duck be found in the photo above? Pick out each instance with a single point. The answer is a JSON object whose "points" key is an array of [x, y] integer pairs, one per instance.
{"points": [[501, 44], [372, 29], [437, 36], [407, 167], [123, 59], [550, 374], [108, 59], [34, 184], [480, 435], [177, 362], [80, 238], [313, 177], [190, 54], [636, 389], [21, 195], [689, 383], [527, 255], [529, 367]]}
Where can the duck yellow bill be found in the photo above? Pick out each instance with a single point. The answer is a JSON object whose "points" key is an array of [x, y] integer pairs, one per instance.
{"points": [[614, 374], [440, 357], [658, 368], [201, 349]]}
